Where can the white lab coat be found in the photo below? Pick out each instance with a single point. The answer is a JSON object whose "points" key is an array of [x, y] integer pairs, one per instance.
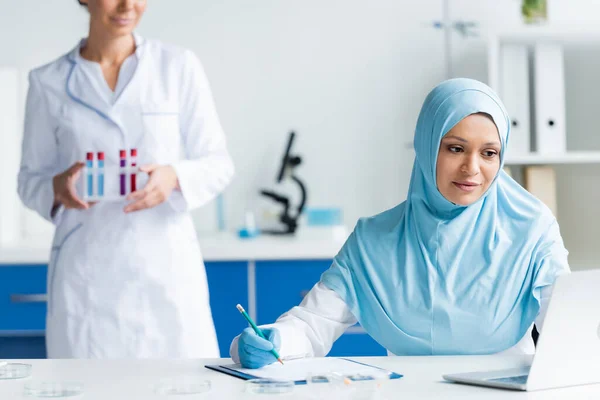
{"points": [[126, 285], [310, 329]]}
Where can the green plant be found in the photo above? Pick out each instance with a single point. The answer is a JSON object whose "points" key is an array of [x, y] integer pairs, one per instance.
{"points": [[534, 10]]}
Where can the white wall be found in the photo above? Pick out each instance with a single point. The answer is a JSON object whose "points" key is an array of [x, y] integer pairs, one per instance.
{"points": [[9, 122], [349, 76], [338, 72]]}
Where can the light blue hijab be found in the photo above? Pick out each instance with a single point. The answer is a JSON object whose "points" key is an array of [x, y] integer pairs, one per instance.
{"points": [[433, 277]]}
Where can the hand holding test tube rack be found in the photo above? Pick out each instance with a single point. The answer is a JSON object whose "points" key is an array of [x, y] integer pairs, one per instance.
{"points": [[102, 183]]}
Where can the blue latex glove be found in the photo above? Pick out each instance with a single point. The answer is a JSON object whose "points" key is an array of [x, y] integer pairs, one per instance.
{"points": [[254, 351]]}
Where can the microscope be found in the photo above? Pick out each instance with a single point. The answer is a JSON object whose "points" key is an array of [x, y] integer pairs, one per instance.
{"points": [[287, 218]]}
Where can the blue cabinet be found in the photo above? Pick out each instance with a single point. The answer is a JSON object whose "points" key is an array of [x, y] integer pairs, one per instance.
{"points": [[23, 306], [22, 311], [228, 286], [356, 345], [22, 346], [281, 285], [22, 298]]}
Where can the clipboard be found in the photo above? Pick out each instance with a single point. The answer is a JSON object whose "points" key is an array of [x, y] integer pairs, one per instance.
{"points": [[226, 369]]}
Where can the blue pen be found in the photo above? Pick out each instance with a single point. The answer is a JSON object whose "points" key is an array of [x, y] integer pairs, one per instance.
{"points": [[90, 171], [100, 173], [258, 331]]}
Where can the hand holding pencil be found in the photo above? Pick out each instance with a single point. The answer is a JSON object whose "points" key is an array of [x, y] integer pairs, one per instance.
{"points": [[256, 347]]}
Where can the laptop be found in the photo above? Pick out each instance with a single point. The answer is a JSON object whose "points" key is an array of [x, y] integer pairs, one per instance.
{"points": [[568, 348]]}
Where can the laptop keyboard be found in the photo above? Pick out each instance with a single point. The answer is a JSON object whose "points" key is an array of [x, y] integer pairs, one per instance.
{"points": [[521, 379]]}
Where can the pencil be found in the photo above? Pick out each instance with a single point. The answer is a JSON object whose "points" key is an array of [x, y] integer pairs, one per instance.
{"points": [[258, 331]]}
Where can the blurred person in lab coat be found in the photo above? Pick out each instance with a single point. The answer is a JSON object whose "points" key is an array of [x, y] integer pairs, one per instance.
{"points": [[125, 277], [464, 266]]}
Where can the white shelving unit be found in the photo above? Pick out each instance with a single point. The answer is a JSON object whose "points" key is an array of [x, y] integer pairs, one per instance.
{"points": [[571, 157], [535, 34], [530, 35], [537, 171], [564, 34]]}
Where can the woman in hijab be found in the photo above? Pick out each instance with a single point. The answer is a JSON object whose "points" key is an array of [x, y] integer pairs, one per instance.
{"points": [[464, 266]]}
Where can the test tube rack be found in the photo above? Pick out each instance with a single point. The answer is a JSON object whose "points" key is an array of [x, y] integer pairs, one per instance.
{"points": [[109, 183]]}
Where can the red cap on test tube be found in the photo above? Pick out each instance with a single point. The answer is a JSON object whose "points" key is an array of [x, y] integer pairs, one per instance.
{"points": [[133, 152], [100, 155], [89, 156], [123, 154]]}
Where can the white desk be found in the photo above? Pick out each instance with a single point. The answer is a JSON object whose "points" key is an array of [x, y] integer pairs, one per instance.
{"points": [[129, 380]]}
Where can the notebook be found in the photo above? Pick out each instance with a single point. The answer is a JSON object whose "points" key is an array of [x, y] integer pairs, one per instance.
{"points": [[298, 370]]}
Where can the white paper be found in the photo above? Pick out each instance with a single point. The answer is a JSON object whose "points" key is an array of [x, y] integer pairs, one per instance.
{"points": [[298, 370]]}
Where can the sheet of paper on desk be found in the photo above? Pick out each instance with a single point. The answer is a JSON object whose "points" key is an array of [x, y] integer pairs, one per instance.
{"points": [[298, 370]]}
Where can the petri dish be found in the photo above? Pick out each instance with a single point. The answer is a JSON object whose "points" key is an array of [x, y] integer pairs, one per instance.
{"points": [[357, 386], [324, 386], [269, 386], [53, 389], [15, 371], [182, 385]]}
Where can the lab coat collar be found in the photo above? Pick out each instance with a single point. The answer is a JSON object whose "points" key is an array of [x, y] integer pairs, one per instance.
{"points": [[75, 55], [84, 92]]}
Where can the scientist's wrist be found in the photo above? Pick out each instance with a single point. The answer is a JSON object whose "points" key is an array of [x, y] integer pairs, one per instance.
{"points": [[175, 184]]}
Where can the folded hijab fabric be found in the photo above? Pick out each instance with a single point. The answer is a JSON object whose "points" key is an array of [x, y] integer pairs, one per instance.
{"points": [[432, 277]]}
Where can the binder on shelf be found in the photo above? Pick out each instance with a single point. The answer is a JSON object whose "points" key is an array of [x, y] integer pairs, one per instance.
{"points": [[550, 119], [515, 93]]}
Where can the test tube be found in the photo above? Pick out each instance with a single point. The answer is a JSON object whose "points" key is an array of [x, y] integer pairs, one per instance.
{"points": [[89, 166], [123, 168], [133, 162], [100, 174]]}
